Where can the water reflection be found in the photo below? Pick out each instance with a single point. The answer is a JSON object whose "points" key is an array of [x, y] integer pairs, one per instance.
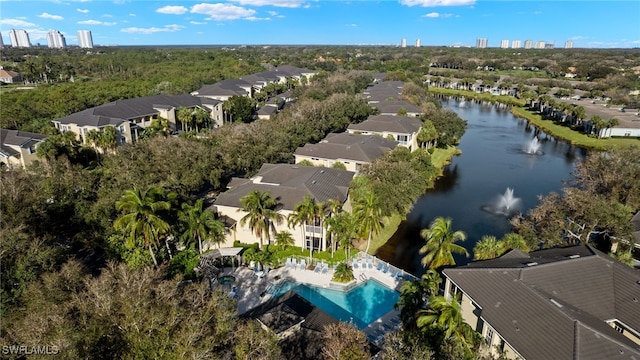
{"points": [[492, 160]]}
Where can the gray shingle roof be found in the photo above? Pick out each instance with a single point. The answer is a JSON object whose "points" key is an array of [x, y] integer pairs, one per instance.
{"points": [[394, 106], [554, 304], [17, 138], [354, 147], [288, 184], [118, 111], [390, 123], [228, 87]]}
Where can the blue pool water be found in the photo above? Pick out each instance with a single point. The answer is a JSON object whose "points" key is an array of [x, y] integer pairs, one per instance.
{"points": [[362, 305]]}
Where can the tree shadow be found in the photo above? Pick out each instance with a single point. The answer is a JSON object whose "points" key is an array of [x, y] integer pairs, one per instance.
{"points": [[401, 250]]}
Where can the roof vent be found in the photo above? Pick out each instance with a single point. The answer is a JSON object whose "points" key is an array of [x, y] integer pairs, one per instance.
{"points": [[531, 264], [554, 302], [313, 181], [321, 172], [574, 256]]}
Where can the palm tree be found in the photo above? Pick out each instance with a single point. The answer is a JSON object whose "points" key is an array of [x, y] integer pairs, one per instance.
{"points": [[341, 228], [514, 241], [411, 300], [334, 207], [284, 239], [487, 248], [261, 213], [140, 217], [304, 213], [441, 244], [368, 213], [432, 281], [200, 225], [446, 315]]}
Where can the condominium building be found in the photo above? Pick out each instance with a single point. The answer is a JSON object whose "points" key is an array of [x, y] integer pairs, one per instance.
{"points": [[568, 44], [516, 44], [56, 40], [418, 42], [540, 44], [504, 44], [481, 43], [19, 38], [84, 39], [1, 42], [403, 43], [528, 44]]}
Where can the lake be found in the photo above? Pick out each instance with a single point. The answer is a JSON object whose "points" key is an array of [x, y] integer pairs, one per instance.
{"points": [[494, 157]]}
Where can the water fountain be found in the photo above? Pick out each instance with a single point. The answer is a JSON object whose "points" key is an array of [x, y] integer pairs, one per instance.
{"points": [[505, 204], [533, 147], [462, 104]]}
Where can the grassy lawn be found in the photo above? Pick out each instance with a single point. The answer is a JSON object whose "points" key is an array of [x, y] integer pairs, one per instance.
{"points": [[478, 96], [442, 157], [572, 136]]}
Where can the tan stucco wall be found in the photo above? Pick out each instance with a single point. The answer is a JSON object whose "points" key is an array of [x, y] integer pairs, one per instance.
{"points": [[350, 165]]}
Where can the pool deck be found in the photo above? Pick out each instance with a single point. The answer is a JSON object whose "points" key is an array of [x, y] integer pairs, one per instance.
{"points": [[252, 289]]}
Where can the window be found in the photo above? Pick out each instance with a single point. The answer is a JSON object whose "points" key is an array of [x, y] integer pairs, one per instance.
{"points": [[32, 149], [402, 139], [312, 240], [489, 336], [618, 328]]}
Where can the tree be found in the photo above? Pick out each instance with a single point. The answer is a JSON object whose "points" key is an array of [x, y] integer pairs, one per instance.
{"points": [[343, 273], [140, 218], [284, 239], [441, 244], [307, 212], [341, 228], [344, 342], [446, 316], [368, 213], [487, 248], [428, 134], [239, 108], [200, 224], [598, 124], [261, 213]]}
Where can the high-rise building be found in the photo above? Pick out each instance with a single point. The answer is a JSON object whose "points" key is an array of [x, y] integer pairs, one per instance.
{"points": [[504, 44], [568, 44], [56, 40], [540, 44], [403, 43], [418, 42], [516, 44], [528, 44], [19, 38], [84, 39], [481, 43], [1, 42]]}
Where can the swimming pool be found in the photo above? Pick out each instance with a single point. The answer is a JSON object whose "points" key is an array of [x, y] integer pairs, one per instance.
{"points": [[362, 305]]}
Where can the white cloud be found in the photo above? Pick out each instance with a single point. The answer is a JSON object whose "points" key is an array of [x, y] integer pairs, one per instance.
{"points": [[197, 22], [351, 25], [16, 23], [174, 10], [537, 12], [96, 22], [434, 15], [434, 3], [253, 18], [277, 3], [222, 11], [275, 14], [84, 11], [152, 30], [132, 14], [45, 15]]}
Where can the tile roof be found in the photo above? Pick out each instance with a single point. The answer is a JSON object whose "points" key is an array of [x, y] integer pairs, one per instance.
{"points": [[389, 123], [288, 184], [363, 148], [118, 111], [554, 304]]}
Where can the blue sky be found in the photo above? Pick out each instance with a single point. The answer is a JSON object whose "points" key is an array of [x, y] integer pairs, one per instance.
{"points": [[593, 24]]}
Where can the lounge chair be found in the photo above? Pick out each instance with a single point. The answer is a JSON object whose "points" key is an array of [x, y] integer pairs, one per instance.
{"points": [[303, 264], [370, 264], [294, 263], [287, 264], [355, 264], [394, 273], [318, 268], [325, 268], [386, 269], [380, 266]]}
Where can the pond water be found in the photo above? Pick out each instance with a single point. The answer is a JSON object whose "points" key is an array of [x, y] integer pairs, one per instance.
{"points": [[504, 161]]}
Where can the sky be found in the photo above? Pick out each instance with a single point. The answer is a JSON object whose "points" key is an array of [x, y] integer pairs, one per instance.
{"points": [[589, 24]]}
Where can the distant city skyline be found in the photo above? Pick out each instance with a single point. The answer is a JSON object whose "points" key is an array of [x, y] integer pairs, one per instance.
{"points": [[325, 22]]}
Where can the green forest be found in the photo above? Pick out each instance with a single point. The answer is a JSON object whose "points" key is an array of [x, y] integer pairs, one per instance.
{"points": [[87, 264]]}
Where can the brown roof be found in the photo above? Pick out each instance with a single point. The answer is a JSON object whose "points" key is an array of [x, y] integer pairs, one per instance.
{"points": [[554, 304], [288, 184], [347, 146], [389, 123]]}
